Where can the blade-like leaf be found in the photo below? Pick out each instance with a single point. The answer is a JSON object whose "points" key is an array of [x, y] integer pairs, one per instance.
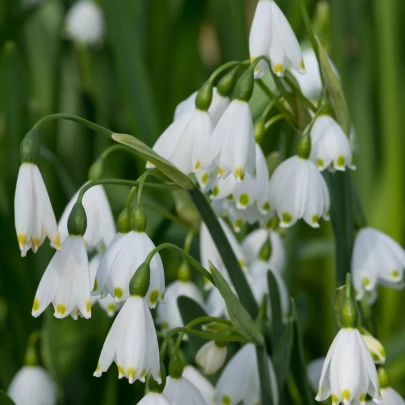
{"points": [[241, 320], [264, 373], [276, 315]]}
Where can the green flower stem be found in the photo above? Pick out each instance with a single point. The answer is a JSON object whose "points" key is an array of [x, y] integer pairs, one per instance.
{"points": [[166, 214], [189, 258], [141, 180], [120, 182], [222, 69], [130, 197], [95, 127], [275, 119], [189, 240], [31, 357], [292, 83]]}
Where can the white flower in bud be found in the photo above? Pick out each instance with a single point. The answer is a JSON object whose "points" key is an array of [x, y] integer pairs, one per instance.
{"points": [[272, 35], [182, 392], [314, 372], [66, 282], [120, 262], [168, 313], [210, 253], [330, 146], [85, 23], [132, 343], [200, 382], [34, 217], [375, 348], [239, 381], [376, 259], [155, 398], [231, 146], [255, 240], [298, 190], [391, 397], [185, 141], [218, 106], [349, 373], [211, 357], [32, 385], [100, 221]]}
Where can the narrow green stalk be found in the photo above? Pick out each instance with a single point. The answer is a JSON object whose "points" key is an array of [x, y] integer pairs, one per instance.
{"points": [[141, 180], [189, 240], [130, 197], [189, 258], [226, 67], [273, 120]]}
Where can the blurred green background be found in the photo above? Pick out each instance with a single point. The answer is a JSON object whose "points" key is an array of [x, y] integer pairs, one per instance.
{"points": [[154, 54]]}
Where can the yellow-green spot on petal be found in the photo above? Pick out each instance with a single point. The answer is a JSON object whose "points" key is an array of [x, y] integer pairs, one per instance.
{"points": [[197, 165], [226, 400], [220, 171], [238, 224], [121, 370], [242, 263], [111, 307], [154, 296], [22, 239], [381, 351], [395, 273], [215, 191], [346, 394], [315, 219], [230, 197], [98, 368], [35, 243], [320, 162], [266, 206], [302, 65], [95, 287], [375, 356], [278, 68], [165, 325], [131, 371], [143, 373], [240, 173], [118, 292], [88, 306], [340, 161], [286, 217], [363, 397], [35, 305], [335, 398], [162, 296], [204, 178], [56, 242], [61, 309], [366, 281], [244, 199]]}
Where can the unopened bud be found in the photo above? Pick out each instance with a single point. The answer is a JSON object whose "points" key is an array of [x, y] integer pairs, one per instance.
{"points": [[77, 221]]}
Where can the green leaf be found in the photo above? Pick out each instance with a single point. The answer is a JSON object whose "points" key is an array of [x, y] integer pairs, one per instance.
{"points": [[150, 155], [240, 318], [335, 93], [298, 366], [190, 310], [5, 399], [276, 315], [264, 373]]}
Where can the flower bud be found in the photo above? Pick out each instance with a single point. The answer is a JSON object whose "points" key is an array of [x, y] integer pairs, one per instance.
{"points": [[175, 367], [304, 146], [374, 346], [183, 274], [139, 283], [30, 147], [123, 222], [77, 221], [211, 357], [244, 86], [265, 251], [259, 129], [138, 219], [96, 170], [349, 314], [204, 97], [227, 83]]}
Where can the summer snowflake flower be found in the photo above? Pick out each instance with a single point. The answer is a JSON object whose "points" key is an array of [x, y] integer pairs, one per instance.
{"points": [[231, 147], [376, 259], [155, 398], [100, 221], [132, 343], [66, 282], [391, 397], [85, 23], [239, 381], [218, 106], [298, 190], [349, 373], [168, 313], [211, 357], [200, 382], [330, 146], [34, 217], [272, 35], [182, 392], [185, 141], [32, 385]]}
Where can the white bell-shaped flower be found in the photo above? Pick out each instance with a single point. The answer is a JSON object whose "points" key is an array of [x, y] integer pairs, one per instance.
{"points": [[218, 106], [254, 241], [155, 398], [211, 357], [185, 141], [231, 146], [34, 216], [66, 282], [132, 343], [391, 397], [85, 23], [100, 221], [349, 373], [168, 313], [200, 382], [239, 217], [376, 259], [120, 262], [330, 146], [272, 35], [239, 381], [298, 190], [182, 392], [32, 385], [314, 372]]}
